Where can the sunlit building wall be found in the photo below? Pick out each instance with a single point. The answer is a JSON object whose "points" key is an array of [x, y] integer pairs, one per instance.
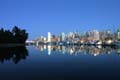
{"points": [[96, 35], [63, 36], [49, 37], [118, 34]]}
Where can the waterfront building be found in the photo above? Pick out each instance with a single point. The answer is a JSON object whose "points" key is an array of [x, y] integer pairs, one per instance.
{"points": [[49, 37], [63, 36], [118, 34], [96, 35]]}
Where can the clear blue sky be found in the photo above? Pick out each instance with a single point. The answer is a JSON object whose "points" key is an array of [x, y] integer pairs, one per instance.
{"points": [[40, 16]]}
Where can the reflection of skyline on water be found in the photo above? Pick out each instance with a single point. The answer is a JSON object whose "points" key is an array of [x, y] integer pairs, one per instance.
{"points": [[92, 50], [59, 62]]}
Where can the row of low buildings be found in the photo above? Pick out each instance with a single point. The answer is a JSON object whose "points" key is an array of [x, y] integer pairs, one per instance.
{"points": [[86, 37]]}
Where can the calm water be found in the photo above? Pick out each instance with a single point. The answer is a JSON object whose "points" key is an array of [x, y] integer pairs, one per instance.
{"points": [[59, 63]]}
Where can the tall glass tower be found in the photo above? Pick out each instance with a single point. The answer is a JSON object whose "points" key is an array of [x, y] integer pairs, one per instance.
{"points": [[49, 37]]}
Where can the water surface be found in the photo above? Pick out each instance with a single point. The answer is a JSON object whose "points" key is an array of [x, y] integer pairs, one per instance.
{"points": [[59, 63]]}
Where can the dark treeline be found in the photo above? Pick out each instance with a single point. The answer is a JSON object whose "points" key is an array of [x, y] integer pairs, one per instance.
{"points": [[17, 35]]}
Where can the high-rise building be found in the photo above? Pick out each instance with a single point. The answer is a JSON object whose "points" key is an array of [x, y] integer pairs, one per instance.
{"points": [[49, 37], [96, 35], [63, 36], [118, 34]]}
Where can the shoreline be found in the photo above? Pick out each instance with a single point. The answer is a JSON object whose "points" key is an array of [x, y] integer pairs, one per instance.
{"points": [[25, 44]]}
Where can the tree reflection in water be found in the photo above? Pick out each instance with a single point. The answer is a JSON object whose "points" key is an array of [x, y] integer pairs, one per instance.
{"points": [[14, 54]]}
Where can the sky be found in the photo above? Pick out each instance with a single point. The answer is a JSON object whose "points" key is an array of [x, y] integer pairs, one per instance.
{"points": [[41, 16]]}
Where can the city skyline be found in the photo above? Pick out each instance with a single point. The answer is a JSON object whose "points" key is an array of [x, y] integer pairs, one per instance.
{"points": [[41, 16], [50, 34], [59, 39], [94, 37]]}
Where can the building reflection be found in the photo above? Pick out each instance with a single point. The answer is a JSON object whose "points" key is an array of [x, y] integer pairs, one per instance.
{"points": [[14, 54], [49, 49], [92, 50]]}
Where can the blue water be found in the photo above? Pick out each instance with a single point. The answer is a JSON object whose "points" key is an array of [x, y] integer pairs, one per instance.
{"points": [[61, 65]]}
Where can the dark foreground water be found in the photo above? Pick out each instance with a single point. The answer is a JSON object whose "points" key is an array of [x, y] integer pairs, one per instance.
{"points": [[59, 63]]}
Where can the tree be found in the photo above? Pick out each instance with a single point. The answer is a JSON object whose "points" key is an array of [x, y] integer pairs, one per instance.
{"points": [[20, 35], [17, 35]]}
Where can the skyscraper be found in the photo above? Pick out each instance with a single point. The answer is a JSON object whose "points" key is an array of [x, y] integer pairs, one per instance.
{"points": [[96, 35], [118, 34], [49, 37], [63, 36]]}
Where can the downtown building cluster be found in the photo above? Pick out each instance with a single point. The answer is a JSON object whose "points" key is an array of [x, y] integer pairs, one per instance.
{"points": [[89, 37]]}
